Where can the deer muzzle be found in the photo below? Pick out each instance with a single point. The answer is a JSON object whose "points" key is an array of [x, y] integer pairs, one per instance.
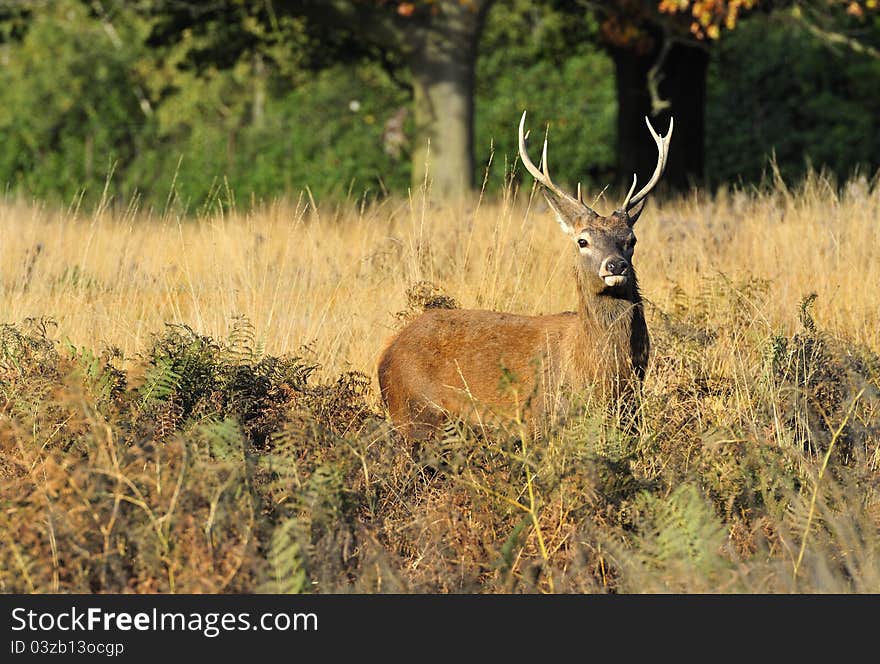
{"points": [[614, 271]]}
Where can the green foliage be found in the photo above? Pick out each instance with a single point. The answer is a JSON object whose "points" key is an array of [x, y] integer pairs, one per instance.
{"points": [[69, 108], [680, 540], [285, 560], [776, 89], [335, 146], [581, 127], [540, 60], [102, 378], [325, 134], [161, 381], [257, 129], [88, 100]]}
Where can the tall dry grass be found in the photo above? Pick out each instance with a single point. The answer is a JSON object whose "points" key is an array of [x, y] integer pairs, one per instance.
{"points": [[229, 463], [335, 277]]}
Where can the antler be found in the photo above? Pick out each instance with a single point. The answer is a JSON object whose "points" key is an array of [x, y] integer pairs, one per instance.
{"points": [[662, 151], [542, 175]]}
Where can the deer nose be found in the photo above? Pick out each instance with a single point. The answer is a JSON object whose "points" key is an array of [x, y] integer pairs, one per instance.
{"points": [[615, 266]]}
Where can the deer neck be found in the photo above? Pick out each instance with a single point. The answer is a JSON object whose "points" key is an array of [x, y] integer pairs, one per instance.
{"points": [[609, 309], [612, 339]]}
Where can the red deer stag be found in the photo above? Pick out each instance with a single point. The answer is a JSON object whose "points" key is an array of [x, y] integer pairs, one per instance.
{"points": [[454, 361]]}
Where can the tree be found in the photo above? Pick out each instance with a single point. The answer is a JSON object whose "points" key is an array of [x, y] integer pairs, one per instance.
{"points": [[435, 42], [820, 108], [72, 107], [536, 58], [661, 57], [660, 49]]}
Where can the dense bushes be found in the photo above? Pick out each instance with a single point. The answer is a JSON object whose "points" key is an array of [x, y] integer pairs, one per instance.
{"points": [[206, 466]]}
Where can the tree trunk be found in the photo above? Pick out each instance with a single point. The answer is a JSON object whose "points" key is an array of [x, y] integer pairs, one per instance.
{"points": [[442, 65], [258, 109], [682, 83]]}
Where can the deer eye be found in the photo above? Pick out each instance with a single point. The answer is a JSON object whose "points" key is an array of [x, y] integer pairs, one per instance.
{"points": [[582, 243]]}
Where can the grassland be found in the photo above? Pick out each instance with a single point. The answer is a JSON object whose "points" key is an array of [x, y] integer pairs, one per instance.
{"points": [[244, 448]]}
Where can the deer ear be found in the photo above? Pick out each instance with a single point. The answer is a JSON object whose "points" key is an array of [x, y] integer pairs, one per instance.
{"points": [[566, 212], [633, 215]]}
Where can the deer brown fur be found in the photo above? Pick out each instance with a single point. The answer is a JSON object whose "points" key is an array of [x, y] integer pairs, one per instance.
{"points": [[476, 364]]}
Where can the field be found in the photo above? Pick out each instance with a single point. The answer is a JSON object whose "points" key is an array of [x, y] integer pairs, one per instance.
{"points": [[189, 404]]}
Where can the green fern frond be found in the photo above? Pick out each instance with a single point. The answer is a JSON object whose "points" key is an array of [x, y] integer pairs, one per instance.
{"points": [[161, 380], [223, 437], [286, 566], [680, 544], [241, 345], [686, 528]]}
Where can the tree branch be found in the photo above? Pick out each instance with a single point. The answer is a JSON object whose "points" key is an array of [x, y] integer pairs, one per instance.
{"points": [[836, 38], [655, 76]]}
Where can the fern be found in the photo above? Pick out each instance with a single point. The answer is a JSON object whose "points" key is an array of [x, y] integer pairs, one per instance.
{"points": [[679, 545], [685, 528], [323, 496], [223, 438], [100, 378], [161, 380], [286, 569], [512, 545], [241, 344]]}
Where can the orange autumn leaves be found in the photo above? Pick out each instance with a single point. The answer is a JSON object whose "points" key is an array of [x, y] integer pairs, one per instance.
{"points": [[709, 17], [408, 8], [856, 8]]}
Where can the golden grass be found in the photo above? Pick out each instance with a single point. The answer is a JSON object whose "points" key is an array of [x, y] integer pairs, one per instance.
{"points": [[289, 483], [333, 278]]}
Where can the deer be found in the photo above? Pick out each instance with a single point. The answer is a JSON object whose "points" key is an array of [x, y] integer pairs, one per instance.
{"points": [[476, 364]]}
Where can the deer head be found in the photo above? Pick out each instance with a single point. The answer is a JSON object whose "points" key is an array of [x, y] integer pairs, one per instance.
{"points": [[604, 243]]}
